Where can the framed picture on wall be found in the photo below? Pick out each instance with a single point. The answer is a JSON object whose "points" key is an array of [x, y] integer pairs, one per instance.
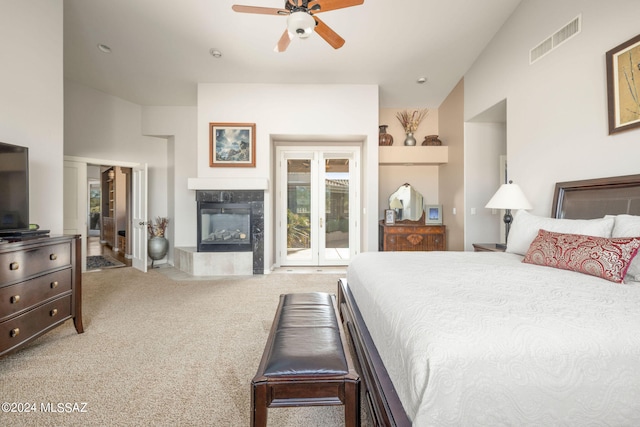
{"points": [[232, 145], [623, 85]]}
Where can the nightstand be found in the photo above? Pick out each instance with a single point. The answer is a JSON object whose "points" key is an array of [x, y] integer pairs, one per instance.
{"points": [[489, 247]]}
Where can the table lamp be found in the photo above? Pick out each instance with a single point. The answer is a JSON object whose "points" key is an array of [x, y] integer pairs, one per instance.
{"points": [[509, 196]]}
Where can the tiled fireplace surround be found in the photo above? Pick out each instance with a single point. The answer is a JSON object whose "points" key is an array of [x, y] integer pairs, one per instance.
{"points": [[189, 260]]}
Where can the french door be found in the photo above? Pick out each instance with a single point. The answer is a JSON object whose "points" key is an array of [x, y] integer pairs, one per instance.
{"points": [[317, 207]]}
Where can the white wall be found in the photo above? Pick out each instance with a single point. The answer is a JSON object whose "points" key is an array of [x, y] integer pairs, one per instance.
{"points": [[178, 124], [31, 99], [557, 107], [105, 127], [485, 143], [291, 111]]}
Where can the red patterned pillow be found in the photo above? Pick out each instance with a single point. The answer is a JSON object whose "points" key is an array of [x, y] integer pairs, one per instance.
{"points": [[597, 256]]}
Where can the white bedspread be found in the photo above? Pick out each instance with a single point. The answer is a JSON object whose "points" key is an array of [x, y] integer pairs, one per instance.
{"points": [[479, 338]]}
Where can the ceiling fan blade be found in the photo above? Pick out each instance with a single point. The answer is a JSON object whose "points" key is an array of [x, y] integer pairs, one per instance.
{"points": [[284, 41], [327, 5], [328, 34], [260, 10]]}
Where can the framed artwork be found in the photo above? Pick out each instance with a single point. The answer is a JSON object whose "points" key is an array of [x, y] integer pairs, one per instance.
{"points": [[433, 214], [232, 145], [623, 85], [389, 217]]}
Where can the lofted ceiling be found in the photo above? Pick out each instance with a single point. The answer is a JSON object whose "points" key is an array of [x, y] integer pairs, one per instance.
{"points": [[160, 50]]}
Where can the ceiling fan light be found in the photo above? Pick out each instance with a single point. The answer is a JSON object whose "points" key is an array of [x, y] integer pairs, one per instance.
{"points": [[300, 24]]}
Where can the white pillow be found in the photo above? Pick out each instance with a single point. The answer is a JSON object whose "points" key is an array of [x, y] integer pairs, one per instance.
{"points": [[525, 228], [628, 226]]}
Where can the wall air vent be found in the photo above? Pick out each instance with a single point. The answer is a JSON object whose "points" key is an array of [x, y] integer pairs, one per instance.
{"points": [[556, 39]]}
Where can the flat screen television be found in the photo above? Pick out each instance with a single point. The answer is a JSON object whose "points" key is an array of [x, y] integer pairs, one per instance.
{"points": [[14, 188]]}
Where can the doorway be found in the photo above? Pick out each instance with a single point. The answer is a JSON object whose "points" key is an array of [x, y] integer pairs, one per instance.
{"points": [[82, 180], [317, 205]]}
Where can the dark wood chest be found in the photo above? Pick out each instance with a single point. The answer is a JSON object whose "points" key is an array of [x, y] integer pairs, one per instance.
{"points": [[411, 236], [40, 288]]}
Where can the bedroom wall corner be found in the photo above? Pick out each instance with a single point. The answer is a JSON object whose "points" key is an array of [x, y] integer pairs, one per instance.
{"points": [[451, 175]]}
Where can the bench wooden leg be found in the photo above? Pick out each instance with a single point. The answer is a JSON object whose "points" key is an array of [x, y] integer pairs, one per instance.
{"points": [[258, 405], [352, 404]]}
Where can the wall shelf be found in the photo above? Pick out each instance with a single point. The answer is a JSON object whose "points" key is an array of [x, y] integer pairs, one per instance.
{"points": [[413, 155]]}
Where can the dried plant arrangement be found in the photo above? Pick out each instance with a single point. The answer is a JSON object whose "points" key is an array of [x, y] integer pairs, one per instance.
{"points": [[410, 120], [157, 229]]}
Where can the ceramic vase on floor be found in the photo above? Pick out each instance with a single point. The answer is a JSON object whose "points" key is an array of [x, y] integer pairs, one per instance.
{"points": [[157, 248], [410, 140]]}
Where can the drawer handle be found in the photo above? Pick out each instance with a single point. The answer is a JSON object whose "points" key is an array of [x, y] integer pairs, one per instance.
{"points": [[53, 312], [14, 299], [14, 332], [53, 257], [14, 266], [54, 284]]}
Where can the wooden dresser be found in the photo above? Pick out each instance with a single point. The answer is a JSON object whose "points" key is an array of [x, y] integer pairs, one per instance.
{"points": [[411, 236], [40, 288]]}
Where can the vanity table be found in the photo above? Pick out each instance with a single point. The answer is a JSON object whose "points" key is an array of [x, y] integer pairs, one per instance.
{"points": [[409, 231]]}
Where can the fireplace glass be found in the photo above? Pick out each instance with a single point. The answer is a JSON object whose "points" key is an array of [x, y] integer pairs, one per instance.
{"points": [[224, 227]]}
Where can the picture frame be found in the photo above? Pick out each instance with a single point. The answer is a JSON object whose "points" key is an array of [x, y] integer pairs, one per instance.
{"points": [[232, 145], [623, 85], [389, 217], [433, 214]]}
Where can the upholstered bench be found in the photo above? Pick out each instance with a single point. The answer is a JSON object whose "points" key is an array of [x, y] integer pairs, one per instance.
{"points": [[306, 361]]}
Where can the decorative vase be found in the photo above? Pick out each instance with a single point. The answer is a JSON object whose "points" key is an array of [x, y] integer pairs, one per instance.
{"points": [[409, 140], [157, 248], [384, 138]]}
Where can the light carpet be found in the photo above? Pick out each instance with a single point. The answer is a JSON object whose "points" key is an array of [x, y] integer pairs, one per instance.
{"points": [[158, 352]]}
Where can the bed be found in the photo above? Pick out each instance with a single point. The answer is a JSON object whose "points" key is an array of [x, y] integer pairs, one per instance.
{"points": [[483, 338]]}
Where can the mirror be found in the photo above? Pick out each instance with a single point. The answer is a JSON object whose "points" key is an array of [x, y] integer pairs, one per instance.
{"points": [[407, 202]]}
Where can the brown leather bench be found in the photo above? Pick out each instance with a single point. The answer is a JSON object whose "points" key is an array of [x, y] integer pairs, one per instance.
{"points": [[306, 361]]}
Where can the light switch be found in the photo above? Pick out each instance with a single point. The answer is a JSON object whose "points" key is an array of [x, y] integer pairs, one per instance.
{"points": [[473, 211]]}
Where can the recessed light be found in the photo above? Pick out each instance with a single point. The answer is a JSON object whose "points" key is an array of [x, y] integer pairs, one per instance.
{"points": [[215, 53], [104, 48], [421, 80]]}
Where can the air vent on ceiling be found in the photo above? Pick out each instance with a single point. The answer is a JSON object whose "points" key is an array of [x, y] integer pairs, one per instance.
{"points": [[556, 39]]}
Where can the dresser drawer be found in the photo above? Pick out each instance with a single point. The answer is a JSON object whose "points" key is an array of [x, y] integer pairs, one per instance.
{"points": [[18, 265], [25, 294], [22, 327]]}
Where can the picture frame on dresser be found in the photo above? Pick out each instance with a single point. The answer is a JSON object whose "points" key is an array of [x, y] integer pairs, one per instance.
{"points": [[433, 214], [389, 217]]}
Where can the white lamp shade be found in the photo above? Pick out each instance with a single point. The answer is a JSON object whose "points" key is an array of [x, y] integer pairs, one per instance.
{"points": [[301, 24], [509, 196]]}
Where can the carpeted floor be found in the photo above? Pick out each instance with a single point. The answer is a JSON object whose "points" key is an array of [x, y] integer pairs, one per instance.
{"points": [[158, 352], [95, 262]]}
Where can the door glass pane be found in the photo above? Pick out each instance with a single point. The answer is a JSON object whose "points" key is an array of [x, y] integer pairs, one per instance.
{"points": [[336, 230], [299, 209]]}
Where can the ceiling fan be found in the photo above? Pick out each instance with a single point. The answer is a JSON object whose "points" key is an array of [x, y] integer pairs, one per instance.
{"points": [[302, 19]]}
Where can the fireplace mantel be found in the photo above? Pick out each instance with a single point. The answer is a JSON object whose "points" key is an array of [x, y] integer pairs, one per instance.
{"points": [[228, 184]]}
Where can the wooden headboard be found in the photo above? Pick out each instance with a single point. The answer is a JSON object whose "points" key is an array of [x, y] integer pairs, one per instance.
{"points": [[595, 198]]}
